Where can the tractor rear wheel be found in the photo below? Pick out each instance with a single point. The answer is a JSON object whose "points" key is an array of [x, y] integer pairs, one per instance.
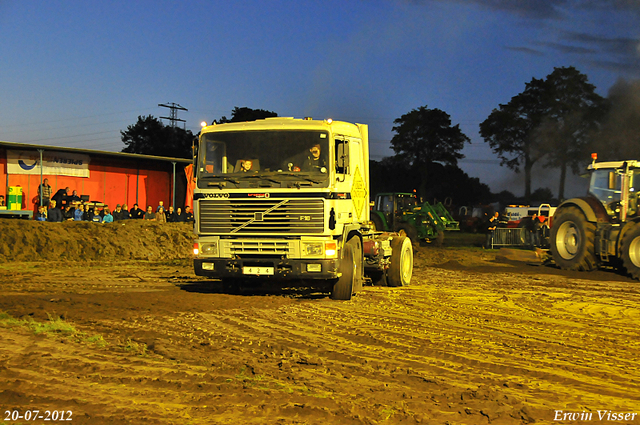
{"points": [[572, 240], [630, 248], [401, 267]]}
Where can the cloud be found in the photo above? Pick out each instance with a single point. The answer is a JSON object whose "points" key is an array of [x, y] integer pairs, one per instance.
{"points": [[570, 49], [523, 49], [547, 9], [613, 45]]}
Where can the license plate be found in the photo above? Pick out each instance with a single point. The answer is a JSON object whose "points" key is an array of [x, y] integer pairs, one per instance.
{"points": [[258, 270]]}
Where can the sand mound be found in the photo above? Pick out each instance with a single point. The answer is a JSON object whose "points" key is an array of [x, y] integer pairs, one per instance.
{"points": [[26, 240]]}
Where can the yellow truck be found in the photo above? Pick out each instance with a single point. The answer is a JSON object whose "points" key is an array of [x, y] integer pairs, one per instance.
{"points": [[287, 200]]}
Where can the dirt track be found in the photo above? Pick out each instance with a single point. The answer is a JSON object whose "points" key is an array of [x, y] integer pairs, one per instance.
{"points": [[475, 339]]}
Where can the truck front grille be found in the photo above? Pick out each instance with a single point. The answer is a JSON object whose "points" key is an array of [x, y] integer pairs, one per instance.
{"points": [[261, 216]]}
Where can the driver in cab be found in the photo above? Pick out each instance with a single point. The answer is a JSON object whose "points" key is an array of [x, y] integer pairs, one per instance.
{"points": [[313, 161]]}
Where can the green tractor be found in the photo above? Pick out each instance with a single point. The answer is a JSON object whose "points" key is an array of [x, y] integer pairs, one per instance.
{"points": [[402, 213]]}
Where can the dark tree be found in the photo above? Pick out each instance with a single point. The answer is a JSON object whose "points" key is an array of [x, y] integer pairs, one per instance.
{"points": [[150, 137], [424, 136], [574, 113], [511, 130], [551, 118], [543, 195], [246, 114]]}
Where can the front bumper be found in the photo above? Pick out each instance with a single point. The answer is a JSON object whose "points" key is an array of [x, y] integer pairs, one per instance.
{"points": [[284, 269]]}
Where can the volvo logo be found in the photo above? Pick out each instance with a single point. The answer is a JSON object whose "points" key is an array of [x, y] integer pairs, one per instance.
{"points": [[215, 195]]}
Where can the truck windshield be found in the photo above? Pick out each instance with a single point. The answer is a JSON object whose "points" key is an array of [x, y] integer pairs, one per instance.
{"points": [[274, 155]]}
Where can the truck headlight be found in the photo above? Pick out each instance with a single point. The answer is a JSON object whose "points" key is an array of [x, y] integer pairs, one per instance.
{"points": [[209, 249], [312, 249]]}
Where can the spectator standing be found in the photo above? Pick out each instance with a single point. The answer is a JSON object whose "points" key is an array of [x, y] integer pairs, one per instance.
{"points": [[54, 214], [108, 218], [73, 197], [125, 210], [118, 214], [136, 213], [489, 228], [78, 213], [44, 190], [150, 215], [68, 214], [87, 215], [61, 197], [42, 214], [188, 215], [180, 215], [95, 215], [160, 205], [172, 217], [160, 216]]}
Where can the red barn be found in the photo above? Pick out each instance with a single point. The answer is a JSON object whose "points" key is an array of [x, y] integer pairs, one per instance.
{"points": [[107, 177]]}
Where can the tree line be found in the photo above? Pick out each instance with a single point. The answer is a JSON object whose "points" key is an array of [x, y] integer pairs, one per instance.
{"points": [[556, 121]]}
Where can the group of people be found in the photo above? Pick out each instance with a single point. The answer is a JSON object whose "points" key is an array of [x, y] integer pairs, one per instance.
{"points": [[537, 228], [98, 214], [63, 206]]}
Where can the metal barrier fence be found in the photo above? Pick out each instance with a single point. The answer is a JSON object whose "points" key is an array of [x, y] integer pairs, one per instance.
{"points": [[509, 237]]}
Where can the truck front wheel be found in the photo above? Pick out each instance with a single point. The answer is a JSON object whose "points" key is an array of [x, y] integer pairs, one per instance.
{"points": [[631, 251], [572, 240], [350, 270], [401, 267]]}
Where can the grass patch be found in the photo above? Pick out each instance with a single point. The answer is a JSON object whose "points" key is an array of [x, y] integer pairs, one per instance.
{"points": [[55, 326], [137, 348]]}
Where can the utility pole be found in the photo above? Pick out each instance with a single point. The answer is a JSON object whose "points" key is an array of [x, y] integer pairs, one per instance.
{"points": [[173, 115]]}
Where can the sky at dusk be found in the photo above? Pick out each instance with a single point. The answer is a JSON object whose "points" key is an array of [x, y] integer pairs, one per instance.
{"points": [[76, 73]]}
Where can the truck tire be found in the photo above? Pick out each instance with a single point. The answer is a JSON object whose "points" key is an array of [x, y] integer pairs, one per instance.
{"points": [[406, 229], [572, 240], [401, 266], [358, 278], [630, 249], [377, 223], [344, 287]]}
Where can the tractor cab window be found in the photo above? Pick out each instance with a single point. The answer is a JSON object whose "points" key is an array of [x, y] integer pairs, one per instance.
{"points": [[634, 188], [606, 186]]}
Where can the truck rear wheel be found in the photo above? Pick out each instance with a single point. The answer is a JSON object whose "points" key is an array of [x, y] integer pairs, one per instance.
{"points": [[377, 223], [630, 248], [401, 267], [351, 271], [572, 240]]}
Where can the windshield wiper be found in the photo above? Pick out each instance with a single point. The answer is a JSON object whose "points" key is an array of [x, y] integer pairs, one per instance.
{"points": [[224, 183], [297, 175], [254, 176]]}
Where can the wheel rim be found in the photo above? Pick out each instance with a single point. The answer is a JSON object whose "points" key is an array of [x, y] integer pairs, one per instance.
{"points": [[568, 240], [402, 232], [634, 251], [406, 268]]}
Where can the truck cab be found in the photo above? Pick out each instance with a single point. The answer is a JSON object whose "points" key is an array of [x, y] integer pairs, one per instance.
{"points": [[286, 200]]}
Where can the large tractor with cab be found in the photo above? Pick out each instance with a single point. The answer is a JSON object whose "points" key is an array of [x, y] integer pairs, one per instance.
{"points": [[602, 228]]}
